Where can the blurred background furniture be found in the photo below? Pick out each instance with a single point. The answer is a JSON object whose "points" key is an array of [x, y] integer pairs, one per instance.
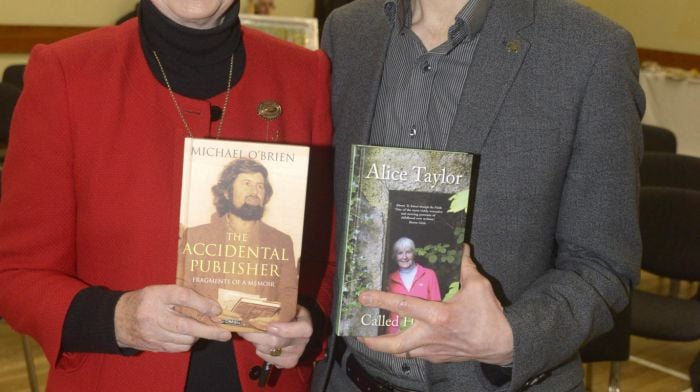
{"points": [[613, 347], [658, 139], [670, 170], [29, 360], [670, 226], [8, 98], [695, 374], [14, 74], [9, 93], [671, 102]]}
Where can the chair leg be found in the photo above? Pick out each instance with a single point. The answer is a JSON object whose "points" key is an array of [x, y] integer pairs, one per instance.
{"points": [[29, 359], [695, 373], [675, 288], [588, 371], [614, 381]]}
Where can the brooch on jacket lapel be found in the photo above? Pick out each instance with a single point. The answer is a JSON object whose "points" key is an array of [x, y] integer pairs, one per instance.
{"points": [[512, 46], [270, 111]]}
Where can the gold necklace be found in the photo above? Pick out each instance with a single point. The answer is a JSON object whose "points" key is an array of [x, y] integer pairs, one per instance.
{"points": [[177, 106]]}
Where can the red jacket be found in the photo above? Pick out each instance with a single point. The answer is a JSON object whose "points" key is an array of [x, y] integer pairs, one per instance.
{"points": [[425, 285], [91, 189]]}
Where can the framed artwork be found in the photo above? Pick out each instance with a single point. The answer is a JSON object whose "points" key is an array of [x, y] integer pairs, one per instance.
{"points": [[301, 31]]}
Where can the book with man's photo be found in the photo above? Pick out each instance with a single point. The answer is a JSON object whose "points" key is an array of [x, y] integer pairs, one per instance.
{"points": [[404, 232], [241, 223]]}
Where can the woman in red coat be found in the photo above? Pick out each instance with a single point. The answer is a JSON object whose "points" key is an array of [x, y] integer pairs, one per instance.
{"points": [[411, 279], [91, 185]]}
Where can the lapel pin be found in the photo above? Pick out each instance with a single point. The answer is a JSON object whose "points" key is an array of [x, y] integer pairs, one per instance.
{"points": [[513, 46], [269, 110]]}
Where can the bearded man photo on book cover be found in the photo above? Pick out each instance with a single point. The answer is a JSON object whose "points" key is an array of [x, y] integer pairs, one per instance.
{"points": [[237, 249]]}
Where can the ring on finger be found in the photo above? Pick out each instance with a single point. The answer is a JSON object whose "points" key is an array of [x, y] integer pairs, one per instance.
{"points": [[276, 352]]}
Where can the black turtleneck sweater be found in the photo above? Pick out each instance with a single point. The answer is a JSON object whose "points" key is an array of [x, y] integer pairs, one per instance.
{"points": [[197, 65], [196, 61]]}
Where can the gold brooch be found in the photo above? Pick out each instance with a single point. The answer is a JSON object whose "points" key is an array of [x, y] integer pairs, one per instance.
{"points": [[513, 46], [269, 110]]}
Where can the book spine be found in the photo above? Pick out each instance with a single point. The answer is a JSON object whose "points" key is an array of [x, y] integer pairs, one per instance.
{"points": [[184, 203], [342, 252]]}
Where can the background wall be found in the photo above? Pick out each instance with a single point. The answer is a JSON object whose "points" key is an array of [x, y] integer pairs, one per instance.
{"points": [[64, 12], [662, 25], [303, 8]]}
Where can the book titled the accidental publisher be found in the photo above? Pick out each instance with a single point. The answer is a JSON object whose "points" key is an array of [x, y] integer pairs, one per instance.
{"points": [[241, 222], [404, 232]]}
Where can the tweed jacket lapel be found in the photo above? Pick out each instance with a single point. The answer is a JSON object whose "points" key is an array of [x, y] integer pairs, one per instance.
{"points": [[364, 52], [361, 95], [499, 55], [497, 60]]}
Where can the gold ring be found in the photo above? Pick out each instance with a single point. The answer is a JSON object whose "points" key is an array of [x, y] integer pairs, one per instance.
{"points": [[408, 354], [276, 352]]}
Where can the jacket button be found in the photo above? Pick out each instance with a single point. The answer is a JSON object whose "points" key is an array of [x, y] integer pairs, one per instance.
{"points": [[254, 372]]}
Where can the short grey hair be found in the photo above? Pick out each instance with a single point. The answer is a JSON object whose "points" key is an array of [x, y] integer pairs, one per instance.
{"points": [[404, 243]]}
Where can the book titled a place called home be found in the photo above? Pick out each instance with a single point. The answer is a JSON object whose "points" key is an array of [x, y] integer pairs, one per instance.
{"points": [[241, 223], [404, 232]]}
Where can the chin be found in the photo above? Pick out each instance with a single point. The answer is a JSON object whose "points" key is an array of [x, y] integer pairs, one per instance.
{"points": [[200, 13]]}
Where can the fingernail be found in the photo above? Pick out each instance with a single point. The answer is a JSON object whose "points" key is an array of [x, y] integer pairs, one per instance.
{"points": [[366, 299], [215, 310]]}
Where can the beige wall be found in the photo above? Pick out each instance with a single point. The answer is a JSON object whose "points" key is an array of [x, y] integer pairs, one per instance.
{"points": [[304, 8], [672, 25], [64, 12], [59, 13]]}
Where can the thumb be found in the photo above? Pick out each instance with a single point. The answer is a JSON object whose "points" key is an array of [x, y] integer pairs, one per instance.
{"points": [[468, 267], [300, 327]]}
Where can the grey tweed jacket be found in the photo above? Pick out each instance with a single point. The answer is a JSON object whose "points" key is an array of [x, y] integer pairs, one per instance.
{"points": [[552, 105]]}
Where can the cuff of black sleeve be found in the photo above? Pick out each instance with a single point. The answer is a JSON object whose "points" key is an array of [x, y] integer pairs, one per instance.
{"points": [[320, 331], [89, 324], [497, 375]]}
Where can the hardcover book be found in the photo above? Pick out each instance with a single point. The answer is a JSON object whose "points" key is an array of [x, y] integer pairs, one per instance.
{"points": [[404, 232], [241, 222]]}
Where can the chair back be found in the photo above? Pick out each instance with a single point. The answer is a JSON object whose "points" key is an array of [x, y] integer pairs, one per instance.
{"points": [[14, 74], [670, 226], [670, 170], [658, 139], [613, 345], [8, 98]]}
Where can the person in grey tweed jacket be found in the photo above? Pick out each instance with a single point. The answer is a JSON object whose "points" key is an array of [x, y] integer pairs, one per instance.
{"points": [[546, 93]]}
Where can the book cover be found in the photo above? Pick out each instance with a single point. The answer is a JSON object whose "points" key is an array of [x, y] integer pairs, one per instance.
{"points": [[241, 223], [404, 232]]}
